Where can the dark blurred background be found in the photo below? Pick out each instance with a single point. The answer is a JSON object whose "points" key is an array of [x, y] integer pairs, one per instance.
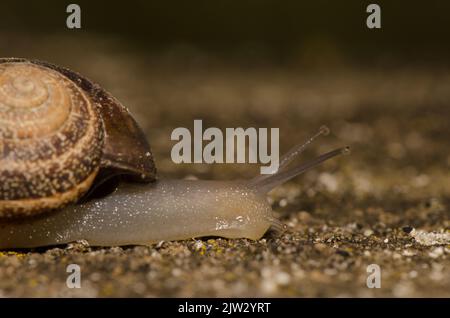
{"points": [[282, 31], [265, 63]]}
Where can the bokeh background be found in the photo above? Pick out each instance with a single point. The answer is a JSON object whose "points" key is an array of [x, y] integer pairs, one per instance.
{"points": [[295, 65]]}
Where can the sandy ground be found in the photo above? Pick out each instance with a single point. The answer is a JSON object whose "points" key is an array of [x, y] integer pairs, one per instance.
{"points": [[387, 203]]}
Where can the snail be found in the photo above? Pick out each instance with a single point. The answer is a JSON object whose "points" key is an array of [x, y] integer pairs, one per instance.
{"points": [[61, 136]]}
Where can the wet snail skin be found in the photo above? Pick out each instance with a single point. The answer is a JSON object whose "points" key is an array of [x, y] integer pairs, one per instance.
{"points": [[45, 168]]}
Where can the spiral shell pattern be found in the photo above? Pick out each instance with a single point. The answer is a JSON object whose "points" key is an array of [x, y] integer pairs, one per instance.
{"points": [[51, 139]]}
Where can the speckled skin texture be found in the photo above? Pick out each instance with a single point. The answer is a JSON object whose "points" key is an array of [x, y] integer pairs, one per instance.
{"points": [[145, 214]]}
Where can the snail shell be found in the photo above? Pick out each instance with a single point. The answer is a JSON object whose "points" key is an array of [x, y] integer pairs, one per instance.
{"points": [[60, 134]]}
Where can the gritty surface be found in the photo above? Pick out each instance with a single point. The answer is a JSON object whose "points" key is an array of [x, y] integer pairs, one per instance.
{"points": [[386, 204]]}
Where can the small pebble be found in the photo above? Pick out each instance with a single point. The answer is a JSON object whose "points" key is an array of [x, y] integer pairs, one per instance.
{"points": [[436, 252], [282, 278]]}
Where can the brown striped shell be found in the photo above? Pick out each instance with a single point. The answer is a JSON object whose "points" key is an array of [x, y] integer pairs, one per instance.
{"points": [[60, 134]]}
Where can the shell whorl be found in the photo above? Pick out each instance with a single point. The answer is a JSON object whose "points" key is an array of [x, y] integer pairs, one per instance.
{"points": [[51, 139]]}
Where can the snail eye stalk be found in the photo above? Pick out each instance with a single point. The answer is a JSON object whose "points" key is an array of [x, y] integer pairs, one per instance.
{"points": [[265, 183]]}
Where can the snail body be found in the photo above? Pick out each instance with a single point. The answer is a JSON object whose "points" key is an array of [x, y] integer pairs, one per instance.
{"points": [[165, 210], [134, 213], [142, 214]]}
